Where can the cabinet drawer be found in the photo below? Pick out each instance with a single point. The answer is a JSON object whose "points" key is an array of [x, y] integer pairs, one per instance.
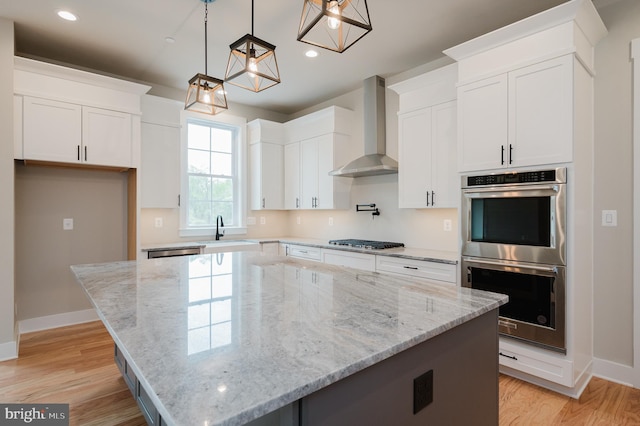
{"points": [[536, 363], [147, 407], [355, 260], [417, 268], [304, 252]]}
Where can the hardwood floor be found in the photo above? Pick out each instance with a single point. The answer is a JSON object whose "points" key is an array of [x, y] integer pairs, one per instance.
{"points": [[75, 365]]}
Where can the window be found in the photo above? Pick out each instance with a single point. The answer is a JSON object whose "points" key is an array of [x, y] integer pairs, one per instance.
{"points": [[212, 177]]}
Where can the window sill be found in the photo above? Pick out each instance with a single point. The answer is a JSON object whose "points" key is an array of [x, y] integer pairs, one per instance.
{"points": [[210, 232]]}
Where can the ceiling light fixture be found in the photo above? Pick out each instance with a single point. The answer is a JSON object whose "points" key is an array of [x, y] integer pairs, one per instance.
{"points": [[252, 63], [334, 24], [67, 16], [311, 53], [206, 94]]}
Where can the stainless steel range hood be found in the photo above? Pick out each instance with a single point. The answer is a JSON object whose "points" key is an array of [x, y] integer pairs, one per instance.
{"points": [[375, 161]]}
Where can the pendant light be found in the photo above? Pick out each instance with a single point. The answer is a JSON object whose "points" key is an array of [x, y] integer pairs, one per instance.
{"points": [[252, 63], [334, 24], [206, 94]]}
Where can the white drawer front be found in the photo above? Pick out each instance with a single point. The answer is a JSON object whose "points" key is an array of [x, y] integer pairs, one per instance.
{"points": [[304, 252], [536, 363], [362, 261], [417, 268]]}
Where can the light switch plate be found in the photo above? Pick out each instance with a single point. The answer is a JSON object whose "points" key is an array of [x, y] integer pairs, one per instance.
{"points": [[67, 224], [263, 220], [609, 218]]}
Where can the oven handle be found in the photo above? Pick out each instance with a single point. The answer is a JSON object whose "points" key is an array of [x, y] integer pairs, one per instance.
{"points": [[510, 188], [549, 269]]}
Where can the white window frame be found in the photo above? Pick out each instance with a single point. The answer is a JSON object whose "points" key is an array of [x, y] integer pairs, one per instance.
{"points": [[239, 124]]}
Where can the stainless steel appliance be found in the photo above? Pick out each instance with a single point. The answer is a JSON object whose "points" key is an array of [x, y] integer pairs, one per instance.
{"points": [[513, 228], [367, 244], [515, 216], [173, 252], [536, 308]]}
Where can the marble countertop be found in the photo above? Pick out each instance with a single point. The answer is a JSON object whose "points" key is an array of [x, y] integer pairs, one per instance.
{"points": [[440, 256], [226, 338]]}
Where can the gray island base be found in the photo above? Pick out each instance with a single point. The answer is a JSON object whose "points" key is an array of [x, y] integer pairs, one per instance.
{"points": [[243, 338]]}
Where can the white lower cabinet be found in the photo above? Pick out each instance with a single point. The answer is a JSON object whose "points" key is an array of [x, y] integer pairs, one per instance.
{"points": [[349, 259], [445, 272], [556, 368]]}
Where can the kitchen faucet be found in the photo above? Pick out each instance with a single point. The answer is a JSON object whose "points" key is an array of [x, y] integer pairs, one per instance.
{"points": [[219, 224]]}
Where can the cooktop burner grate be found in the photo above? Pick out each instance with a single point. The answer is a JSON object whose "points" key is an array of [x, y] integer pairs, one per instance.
{"points": [[367, 244]]}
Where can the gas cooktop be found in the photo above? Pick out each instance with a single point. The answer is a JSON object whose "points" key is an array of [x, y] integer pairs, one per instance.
{"points": [[367, 244]]}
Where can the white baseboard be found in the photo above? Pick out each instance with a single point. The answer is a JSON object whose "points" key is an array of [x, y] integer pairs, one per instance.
{"points": [[614, 372], [58, 320], [8, 351]]}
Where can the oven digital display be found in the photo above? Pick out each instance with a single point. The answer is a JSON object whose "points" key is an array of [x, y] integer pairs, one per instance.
{"points": [[512, 178]]}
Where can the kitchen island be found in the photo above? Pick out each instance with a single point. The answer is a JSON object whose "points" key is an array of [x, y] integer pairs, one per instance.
{"points": [[234, 338]]}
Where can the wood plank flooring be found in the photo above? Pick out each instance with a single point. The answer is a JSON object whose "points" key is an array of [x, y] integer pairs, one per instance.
{"points": [[75, 365]]}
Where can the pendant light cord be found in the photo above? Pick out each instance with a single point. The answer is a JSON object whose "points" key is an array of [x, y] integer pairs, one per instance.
{"points": [[251, 17], [206, 13]]}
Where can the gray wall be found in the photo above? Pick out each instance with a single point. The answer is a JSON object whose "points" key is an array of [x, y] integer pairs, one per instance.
{"points": [[96, 200], [7, 320], [613, 284]]}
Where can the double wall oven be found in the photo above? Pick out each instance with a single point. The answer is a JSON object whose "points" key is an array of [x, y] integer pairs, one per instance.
{"points": [[513, 242]]}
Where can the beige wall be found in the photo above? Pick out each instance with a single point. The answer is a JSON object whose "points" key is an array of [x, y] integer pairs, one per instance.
{"points": [[7, 320], [613, 285], [96, 200]]}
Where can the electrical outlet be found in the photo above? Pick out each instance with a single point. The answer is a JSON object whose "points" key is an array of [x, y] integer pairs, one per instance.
{"points": [[298, 220], [330, 221], [158, 222], [422, 391], [67, 224], [251, 220], [263, 220], [447, 225]]}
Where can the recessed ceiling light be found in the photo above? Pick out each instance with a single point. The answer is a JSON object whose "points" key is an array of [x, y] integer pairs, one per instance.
{"points": [[66, 15], [311, 53]]}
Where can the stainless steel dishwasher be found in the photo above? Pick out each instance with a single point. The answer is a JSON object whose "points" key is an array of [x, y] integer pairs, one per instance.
{"points": [[173, 252]]}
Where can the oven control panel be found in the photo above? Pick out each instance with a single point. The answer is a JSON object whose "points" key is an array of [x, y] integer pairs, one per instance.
{"points": [[512, 178]]}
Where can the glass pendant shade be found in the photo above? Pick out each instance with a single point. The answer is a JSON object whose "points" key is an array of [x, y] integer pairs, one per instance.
{"points": [[334, 24], [206, 94], [252, 64]]}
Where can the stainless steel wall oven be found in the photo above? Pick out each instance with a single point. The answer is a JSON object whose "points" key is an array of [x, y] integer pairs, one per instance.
{"points": [[513, 231]]}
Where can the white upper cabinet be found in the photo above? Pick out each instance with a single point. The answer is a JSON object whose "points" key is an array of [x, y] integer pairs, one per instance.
{"points": [[292, 175], [520, 118], [106, 137], [317, 144], [75, 117], [52, 131], [427, 172], [160, 177], [267, 176], [266, 164]]}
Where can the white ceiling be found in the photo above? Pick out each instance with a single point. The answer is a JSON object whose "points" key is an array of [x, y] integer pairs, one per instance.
{"points": [[127, 38]]}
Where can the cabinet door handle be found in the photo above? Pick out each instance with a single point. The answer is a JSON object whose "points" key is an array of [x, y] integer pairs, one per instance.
{"points": [[501, 154], [297, 202], [508, 356], [85, 153], [433, 198], [178, 200], [510, 153], [78, 152], [415, 268], [263, 202], [427, 198]]}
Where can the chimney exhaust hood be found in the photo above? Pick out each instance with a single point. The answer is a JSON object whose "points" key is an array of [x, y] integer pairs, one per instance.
{"points": [[375, 161]]}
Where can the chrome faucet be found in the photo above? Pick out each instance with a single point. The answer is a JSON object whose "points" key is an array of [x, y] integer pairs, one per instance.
{"points": [[219, 224]]}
